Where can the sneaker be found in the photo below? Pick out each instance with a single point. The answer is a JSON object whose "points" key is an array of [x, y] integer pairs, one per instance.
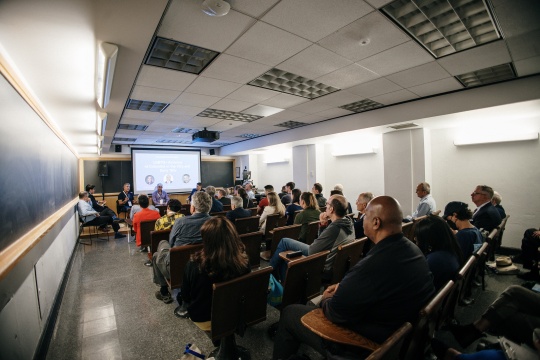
{"points": [[148, 263], [167, 299], [143, 249], [119, 235], [181, 312]]}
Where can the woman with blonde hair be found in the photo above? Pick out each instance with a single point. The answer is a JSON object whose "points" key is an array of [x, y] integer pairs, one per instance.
{"points": [[222, 258], [274, 207]]}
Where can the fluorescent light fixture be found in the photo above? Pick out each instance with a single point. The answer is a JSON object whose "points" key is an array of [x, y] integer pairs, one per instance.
{"points": [[262, 110], [476, 138], [354, 152], [276, 160], [101, 122], [106, 63]]}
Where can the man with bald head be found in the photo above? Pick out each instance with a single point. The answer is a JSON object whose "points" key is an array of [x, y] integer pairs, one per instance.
{"points": [[381, 292]]}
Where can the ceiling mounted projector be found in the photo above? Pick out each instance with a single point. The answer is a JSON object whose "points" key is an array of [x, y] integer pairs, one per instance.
{"points": [[215, 7], [205, 136]]}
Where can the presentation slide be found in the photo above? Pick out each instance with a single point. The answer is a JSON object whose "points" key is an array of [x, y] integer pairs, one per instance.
{"points": [[177, 170]]}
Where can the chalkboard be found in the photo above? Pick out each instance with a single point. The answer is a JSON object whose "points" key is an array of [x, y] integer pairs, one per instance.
{"points": [[216, 173], [39, 172], [120, 172]]}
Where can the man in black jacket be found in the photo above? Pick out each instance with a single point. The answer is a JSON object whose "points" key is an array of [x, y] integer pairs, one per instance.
{"points": [[101, 208], [486, 216]]}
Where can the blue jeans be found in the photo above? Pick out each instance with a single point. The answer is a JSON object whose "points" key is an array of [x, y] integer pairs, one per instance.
{"points": [[279, 265]]}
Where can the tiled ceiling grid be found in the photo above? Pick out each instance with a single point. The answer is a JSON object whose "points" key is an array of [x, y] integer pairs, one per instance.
{"points": [[309, 61]]}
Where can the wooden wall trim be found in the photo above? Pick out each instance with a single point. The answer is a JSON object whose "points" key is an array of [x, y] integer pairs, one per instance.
{"points": [[14, 253]]}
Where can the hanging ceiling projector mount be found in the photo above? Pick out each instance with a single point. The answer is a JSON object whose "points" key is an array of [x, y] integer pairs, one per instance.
{"points": [[215, 7]]}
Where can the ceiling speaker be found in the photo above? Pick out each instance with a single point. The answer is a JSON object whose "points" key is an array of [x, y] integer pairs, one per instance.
{"points": [[215, 7]]}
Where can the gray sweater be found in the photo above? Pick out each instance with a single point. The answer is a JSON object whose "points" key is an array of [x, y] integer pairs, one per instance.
{"points": [[339, 232]]}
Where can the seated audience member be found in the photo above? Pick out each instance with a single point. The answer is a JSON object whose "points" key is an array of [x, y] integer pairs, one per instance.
{"points": [[295, 206], [125, 198], [185, 231], [217, 206], [230, 192], [374, 298], [274, 207], [468, 237], [486, 215], [310, 213], [496, 201], [249, 191], [287, 198], [222, 197], [339, 187], [237, 211], [514, 314], [530, 254], [159, 196], [340, 192], [166, 222], [264, 201], [283, 192], [137, 208], [361, 205], [438, 242], [143, 215], [92, 217], [426, 205], [100, 208], [222, 258], [317, 191], [247, 203], [194, 190], [339, 232]]}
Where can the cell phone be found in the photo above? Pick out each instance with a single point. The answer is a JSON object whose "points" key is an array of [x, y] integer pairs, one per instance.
{"points": [[294, 254]]}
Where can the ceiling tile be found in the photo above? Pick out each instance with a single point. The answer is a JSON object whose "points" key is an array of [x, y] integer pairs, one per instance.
{"points": [[419, 75], [232, 105], [337, 98], [394, 97], [381, 33], [313, 62], [143, 115], [398, 58], [373, 88], [379, 3], [154, 94], [348, 76], [267, 44], [528, 66], [284, 101], [310, 119], [254, 8], [184, 19], [156, 77], [253, 94], [182, 110], [518, 17], [520, 45], [197, 100], [495, 53], [172, 119], [315, 19], [128, 133], [200, 122], [225, 125], [285, 116], [154, 127], [212, 87], [436, 87], [235, 69], [310, 107]]}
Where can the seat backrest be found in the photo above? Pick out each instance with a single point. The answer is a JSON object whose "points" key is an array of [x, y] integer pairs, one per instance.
{"points": [[239, 303], [303, 279], [252, 243], [226, 207], [436, 213], [312, 232], [291, 232], [219, 213], [253, 211], [293, 215], [346, 257], [465, 276], [273, 221], [185, 210], [179, 257], [146, 227], [413, 227], [156, 237], [427, 323], [391, 347], [406, 230], [247, 225]]}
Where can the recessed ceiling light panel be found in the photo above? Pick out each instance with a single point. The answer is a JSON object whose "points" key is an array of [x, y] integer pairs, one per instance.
{"points": [[291, 124], [262, 110], [289, 83], [249, 136], [487, 75], [142, 105], [228, 115], [362, 105], [121, 139], [133, 127]]}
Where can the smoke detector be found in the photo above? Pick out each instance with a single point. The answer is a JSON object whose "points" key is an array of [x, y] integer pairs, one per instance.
{"points": [[215, 7]]}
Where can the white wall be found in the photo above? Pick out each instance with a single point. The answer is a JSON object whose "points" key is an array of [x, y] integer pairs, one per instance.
{"points": [[275, 174], [29, 290], [510, 168]]}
